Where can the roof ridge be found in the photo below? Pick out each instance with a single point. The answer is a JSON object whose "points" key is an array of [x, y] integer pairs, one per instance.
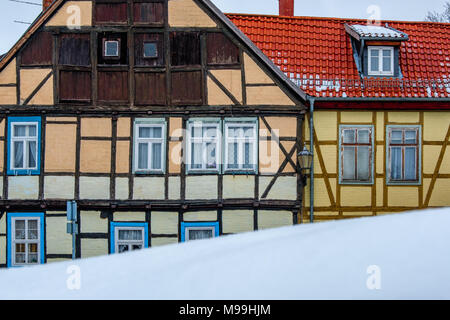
{"points": [[332, 18]]}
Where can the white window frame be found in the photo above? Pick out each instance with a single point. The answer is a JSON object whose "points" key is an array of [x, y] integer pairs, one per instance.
{"points": [[118, 242], [241, 141], [105, 52], [25, 241], [418, 146], [204, 140], [380, 71], [371, 143], [24, 139], [150, 141], [199, 228]]}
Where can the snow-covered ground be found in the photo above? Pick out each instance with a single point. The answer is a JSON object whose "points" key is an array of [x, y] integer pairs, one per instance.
{"points": [[402, 256]]}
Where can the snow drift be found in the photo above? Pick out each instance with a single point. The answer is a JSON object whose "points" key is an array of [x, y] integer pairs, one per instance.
{"points": [[401, 256]]}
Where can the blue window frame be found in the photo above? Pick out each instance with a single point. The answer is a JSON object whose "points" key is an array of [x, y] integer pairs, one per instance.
{"points": [[199, 230], [25, 239], [24, 145], [128, 236]]}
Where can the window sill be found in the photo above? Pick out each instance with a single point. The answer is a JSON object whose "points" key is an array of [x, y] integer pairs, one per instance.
{"points": [[355, 183]]}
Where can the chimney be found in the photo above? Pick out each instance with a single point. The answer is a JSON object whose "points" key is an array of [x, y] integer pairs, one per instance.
{"points": [[46, 4], [286, 8]]}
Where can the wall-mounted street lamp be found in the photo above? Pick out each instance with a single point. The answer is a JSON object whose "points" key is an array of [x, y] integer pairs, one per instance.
{"points": [[305, 158]]}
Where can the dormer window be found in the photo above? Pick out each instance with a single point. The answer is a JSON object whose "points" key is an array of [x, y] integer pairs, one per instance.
{"points": [[376, 50], [381, 61], [111, 49]]}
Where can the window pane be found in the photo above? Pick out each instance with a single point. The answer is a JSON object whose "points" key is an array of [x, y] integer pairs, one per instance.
{"points": [[210, 132], [156, 132], [32, 131], [19, 131], [112, 48], [410, 164], [396, 137], [196, 156], [32, 258], [130, 234], [196, 132], [363, 136], [144, 132], [248, 155], [20, 247], [348, 167], [200, 234], [18, 154], [396, 163], [156, 156], [233, 132], [143, 156], [123, 248], [410, 137], [20, 229], [387, 65], [31, 154], [32, 248], [374, 60], [150, 50], [349, 136], [249, 132], [20, 257], [32, 229], [136, 247], [363, 163], [233, 156], [211, 156]]}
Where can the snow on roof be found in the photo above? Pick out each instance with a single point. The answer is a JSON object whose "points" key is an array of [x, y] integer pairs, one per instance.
{"points": [[401, 256], [374, 31]]}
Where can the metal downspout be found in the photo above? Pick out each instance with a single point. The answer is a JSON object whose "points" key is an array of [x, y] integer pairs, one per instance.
{"points": [[311, 138]]}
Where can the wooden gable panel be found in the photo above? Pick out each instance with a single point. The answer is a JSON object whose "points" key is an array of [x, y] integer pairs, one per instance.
{"points": [[113, 86], [111, 13], [185, 48], [187, 88], [150, 88], [146, 12], [39, 50], [139, 40], [221, 50], [75, 50], [74, 86]]}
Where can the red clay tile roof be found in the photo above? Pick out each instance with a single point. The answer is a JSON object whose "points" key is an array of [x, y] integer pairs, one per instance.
{"points": [[316, 53]]}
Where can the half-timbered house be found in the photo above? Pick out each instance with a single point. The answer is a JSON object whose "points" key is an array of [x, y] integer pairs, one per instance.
{"points": [[160, 118], [379, 95]]}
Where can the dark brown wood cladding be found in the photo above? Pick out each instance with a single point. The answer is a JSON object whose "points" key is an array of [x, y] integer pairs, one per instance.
{"points": [[111, 13], [39, 50], [75, 50], [113, 86], [152, 13], [74, 86], [139, 40], [221, 50], [187, 88], [185, 48], [150, 88]]}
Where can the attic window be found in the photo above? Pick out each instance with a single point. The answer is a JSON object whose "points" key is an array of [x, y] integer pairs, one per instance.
{"points": [[381, 61], [150, 50], [111, 49]]}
